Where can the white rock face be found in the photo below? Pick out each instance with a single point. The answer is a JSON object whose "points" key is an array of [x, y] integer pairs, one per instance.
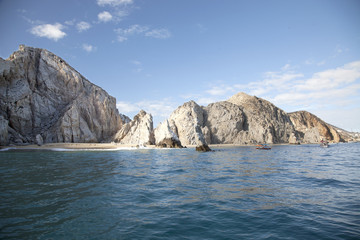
{"points": [[41, 94], [139, 131], [163, 131], [242, 119], [187, 122]]}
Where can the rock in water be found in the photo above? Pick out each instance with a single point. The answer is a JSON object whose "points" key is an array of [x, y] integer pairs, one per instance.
{"points": [[203, 148], [165, 137], [41, 94], [186, 122], [139, 131]]}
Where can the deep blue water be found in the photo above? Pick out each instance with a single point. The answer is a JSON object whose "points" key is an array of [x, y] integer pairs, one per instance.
{"points": [[289, 192]]}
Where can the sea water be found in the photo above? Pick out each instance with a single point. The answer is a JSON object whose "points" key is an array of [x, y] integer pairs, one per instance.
{"points": [[288, 192]]}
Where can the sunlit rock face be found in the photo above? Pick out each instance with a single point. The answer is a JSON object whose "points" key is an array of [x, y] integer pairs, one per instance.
{"points": [[264, 121], [313, 129], [40, 94], [243, 119], [165, 137], [139, 131]]}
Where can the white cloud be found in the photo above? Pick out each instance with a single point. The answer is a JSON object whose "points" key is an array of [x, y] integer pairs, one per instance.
{"points": [[124, 33], [114, 2], [135, 29], [83, 26], [121, 38], [159, 109], [105, 16], [127, 107], [88, 47], [220, 90], [70, 22], [292, 91], [332, 78], [50, 31], [158, 33]]}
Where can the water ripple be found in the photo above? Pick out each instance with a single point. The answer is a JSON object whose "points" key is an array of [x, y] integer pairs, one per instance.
{"points": [[290, 192]]}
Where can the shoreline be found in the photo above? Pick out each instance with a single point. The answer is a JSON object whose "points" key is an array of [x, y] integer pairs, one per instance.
{"points": [[100, 146], [107, 146], [118, 146]]}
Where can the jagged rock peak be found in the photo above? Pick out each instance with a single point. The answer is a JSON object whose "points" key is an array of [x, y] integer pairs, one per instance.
{"points": [[139, 131]]}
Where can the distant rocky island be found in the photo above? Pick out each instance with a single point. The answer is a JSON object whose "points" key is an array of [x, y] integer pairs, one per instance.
{"points": [[44, 100]]}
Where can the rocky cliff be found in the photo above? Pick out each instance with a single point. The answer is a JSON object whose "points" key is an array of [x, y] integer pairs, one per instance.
{"points": [[243, 119], [312, 129], [264, 121], [43, 98]]}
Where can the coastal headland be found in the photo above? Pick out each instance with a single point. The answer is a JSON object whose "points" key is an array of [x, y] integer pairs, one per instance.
{"points": [[44, 101]]}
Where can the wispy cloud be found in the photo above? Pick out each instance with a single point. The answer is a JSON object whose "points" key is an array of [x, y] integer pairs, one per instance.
{"points": [[160, 109], [220, 90], [105, 16], [50, 31], [88, 47], [114, 2], [83, 26], [138, 66], [158, 33], [124, 33], [292, 90]]}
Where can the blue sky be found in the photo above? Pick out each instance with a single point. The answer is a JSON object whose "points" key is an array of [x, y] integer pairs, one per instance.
{"points": [[157, 54]]}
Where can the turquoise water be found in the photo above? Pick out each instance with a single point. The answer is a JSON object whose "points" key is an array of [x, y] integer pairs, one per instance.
{"points": [[289, 192]]}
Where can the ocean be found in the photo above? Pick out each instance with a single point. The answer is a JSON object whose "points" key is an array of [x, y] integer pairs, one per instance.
{"points": [[288, 192]]}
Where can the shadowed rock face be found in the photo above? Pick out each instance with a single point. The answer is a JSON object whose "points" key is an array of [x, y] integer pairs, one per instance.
{"points": [[40, 94], [313, 129]]}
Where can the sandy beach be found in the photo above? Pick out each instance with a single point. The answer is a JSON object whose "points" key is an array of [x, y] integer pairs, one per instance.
{"points": [[100, 146], [86, 146]]}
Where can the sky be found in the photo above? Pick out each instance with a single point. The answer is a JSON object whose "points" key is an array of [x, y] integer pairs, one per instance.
{"points": [[156, 55]]}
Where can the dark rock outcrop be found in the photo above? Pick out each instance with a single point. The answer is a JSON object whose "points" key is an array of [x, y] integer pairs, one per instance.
{"points": [[169, 143]]}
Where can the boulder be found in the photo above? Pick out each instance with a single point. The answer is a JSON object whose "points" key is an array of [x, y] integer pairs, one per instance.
{"points": [[39, 140], [203, 148], [165, 137]]}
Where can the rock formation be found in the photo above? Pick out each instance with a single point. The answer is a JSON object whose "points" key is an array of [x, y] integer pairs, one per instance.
{"points": [[312, 129], [242, 119], [40, 94], [165, 137], [264, 121], [44, 100], [139, 131]]}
